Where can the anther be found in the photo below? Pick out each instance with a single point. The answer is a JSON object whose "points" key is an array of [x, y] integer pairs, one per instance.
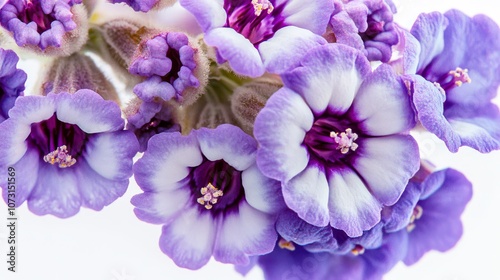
{"points": [[358, 250], [60, 156], [417, 214], [260, 5], [210, 195], [283, 244], [345, 140]]}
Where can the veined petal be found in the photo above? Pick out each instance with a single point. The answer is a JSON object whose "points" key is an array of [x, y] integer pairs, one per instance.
{"points": [[243, 233], [329, 78], [353, 209], [242, 56], [382, 105], [189, 239], [55, 193], [13, 145], [386, 164], [428, 29], [168, 162], [283, 51], [280, 129], [307, 195], [33, 109]]}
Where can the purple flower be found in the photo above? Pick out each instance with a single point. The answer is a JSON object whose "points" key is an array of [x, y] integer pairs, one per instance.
{"points": [[11, 82], [69, 150], [41, 23], [433, 221], [335, 136], [207, 192], [289, 261], [367, 26], [171, 66], [258, 35], [457, 76]]}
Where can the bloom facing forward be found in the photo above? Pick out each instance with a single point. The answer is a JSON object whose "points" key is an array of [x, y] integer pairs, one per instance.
{"points": [[208, 193], [68, 150], [335, 136], [258, 35]]}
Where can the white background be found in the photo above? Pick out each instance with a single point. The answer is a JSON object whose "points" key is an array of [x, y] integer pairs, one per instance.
{"points": [[114, 245]]}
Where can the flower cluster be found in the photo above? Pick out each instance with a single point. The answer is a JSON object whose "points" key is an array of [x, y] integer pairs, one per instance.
{"points": [[279, 132]]}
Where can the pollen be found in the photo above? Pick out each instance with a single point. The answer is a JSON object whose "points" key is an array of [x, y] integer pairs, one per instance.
{"points": [[358, 250], [460, 76], [283, 244], [60, 156], [345, 140], [417, 214], [261, 5], [210, 196]]}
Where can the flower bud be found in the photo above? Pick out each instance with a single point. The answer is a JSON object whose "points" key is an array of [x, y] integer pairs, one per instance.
{"points": [[75, 72], [56, 28], [249, 99]]}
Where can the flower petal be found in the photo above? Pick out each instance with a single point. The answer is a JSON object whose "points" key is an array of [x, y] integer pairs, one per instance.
{"points": [[13, 145], [55, 192], [307, 195], [110, 154], [261, 192], [167, 161], [329, 77], [210, 14], [161, 207], [242, 56], [280, 128], [229, 143], [386, 164], [189, 239], [282, 51], [383, 99], [89, 111], [353, 209], [247, 232]]}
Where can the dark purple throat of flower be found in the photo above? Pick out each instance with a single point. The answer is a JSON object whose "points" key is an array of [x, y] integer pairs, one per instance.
{"points": [[32, 12], [256, 20], [59, 143], [216, 186], [450, 80], [330, 139]]}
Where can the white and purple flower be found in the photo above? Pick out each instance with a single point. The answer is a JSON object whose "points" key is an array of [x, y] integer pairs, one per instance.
{"points": [[11, 82], [255, 36], [207, 192], [45, 23], [336, 137], [456, 77], [366, 25], [69, 150]]}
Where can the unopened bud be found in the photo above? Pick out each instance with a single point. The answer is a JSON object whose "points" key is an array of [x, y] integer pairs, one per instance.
{"points": [[75, 72]]}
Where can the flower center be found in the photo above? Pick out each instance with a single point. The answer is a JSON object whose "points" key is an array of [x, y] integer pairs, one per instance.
{"points": [[454, 78], [260, 5], [327, 142], [216, 186], [33, 12], [60, 143], [210, 195], [60, 156], [249, 19], [417, 214]]}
